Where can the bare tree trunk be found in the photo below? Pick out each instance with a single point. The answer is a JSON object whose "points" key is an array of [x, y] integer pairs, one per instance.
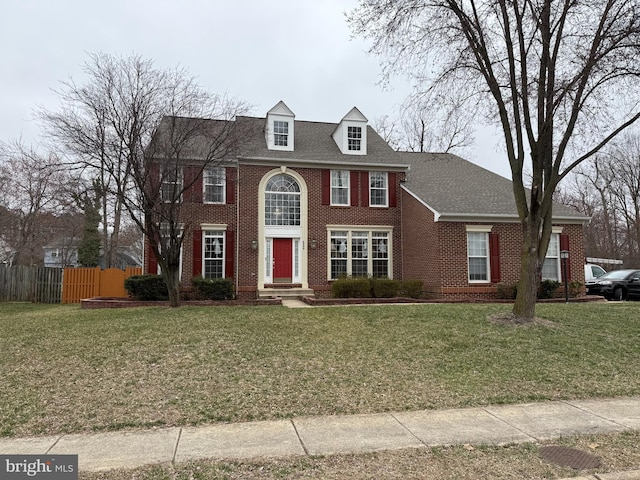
{"points": [[524, 306], [173, 286]]}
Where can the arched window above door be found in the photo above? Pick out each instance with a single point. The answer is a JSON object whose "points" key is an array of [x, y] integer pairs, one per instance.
{"points": [[282, 201]]}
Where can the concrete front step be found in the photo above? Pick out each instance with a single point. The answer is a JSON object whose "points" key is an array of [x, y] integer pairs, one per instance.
{"points": [[284, 292]]}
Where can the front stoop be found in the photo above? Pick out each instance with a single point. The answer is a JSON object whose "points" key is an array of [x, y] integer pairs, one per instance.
{"points": [[285, 292]]}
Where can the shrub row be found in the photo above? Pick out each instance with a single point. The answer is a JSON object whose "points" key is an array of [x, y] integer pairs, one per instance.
{"points": [[146, 287], [547, 289], [153, 288], [373, 287], [213, 288]]}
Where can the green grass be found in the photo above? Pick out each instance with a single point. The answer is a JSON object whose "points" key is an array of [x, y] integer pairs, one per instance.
{"points": [[63, 369]]}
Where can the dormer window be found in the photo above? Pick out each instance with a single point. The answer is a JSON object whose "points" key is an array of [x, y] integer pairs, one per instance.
{"points": [[351, 133], [280, 133], [354, 137], [279, 128]]}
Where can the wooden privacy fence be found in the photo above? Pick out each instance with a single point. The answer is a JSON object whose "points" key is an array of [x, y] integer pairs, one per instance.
{"points": [[82, 283], [30, 284]]}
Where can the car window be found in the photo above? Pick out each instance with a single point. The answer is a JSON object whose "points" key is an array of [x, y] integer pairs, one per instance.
{"points": [[597, 271], [616, 275]]}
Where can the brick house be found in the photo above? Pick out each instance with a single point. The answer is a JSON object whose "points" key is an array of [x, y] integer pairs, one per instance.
{"points": [[306, 202]]}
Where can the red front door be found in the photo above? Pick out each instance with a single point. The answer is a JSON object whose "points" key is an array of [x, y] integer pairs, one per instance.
{"points": [[282, 262]]}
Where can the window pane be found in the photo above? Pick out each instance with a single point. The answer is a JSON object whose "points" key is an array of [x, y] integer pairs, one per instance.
{"points": [[550, 269], [338, 268], [552, 251], [477, 269]]}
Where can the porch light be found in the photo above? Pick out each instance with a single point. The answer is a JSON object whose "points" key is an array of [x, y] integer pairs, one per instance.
{"points": [[254, 245], [314, 243], [564, 255]]}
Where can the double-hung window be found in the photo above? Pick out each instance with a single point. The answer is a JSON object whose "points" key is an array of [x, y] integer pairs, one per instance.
{"points": [[478, 256], [213, 254], [280, 133], [359, 254], [551, 265], [378, 189], [354, 138], [380, 254], [171, 185], [339, 253], [214, 181], [339, 187]]}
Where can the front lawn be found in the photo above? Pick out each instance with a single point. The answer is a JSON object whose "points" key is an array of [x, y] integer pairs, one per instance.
{"points": [[63, 369]]}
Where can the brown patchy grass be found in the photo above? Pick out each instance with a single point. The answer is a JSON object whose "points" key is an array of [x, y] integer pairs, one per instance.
{"points": [[65, 370], [617, 452]]}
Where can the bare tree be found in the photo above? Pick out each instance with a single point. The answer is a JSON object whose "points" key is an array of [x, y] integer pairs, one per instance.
{"points": [[560, 76], [35, 202], [135, 125], [432, 122], [624, 170]]}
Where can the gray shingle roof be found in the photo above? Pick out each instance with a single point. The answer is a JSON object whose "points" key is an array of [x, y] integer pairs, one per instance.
{"points": [[457, 188], [313, 143], [453, 187]]}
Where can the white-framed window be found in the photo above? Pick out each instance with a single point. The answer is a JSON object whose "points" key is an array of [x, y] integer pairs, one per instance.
{"points": [[354, 138], [213, 246], [359, 252], [378, 189], [478, 256], [171, 185], [551, 265], [214, 185], [280, 133], [340, 187], [282, 201]]}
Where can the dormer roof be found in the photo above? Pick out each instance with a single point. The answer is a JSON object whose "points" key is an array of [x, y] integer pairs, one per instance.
{"points": [[281, 109], [355, 115]]}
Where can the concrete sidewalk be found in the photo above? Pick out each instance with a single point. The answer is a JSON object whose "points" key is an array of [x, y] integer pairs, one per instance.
{"points": [[342, 434]]}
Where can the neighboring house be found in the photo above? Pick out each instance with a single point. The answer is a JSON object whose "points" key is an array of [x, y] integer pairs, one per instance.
{"points": [[6, 253], [306, 202], [62, 252]]}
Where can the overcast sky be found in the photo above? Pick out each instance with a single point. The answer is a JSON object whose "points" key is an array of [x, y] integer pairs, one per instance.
{"points": [[259, 51]]}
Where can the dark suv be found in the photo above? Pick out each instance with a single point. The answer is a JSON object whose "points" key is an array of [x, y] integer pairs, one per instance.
{"points": [[617, 285]]}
